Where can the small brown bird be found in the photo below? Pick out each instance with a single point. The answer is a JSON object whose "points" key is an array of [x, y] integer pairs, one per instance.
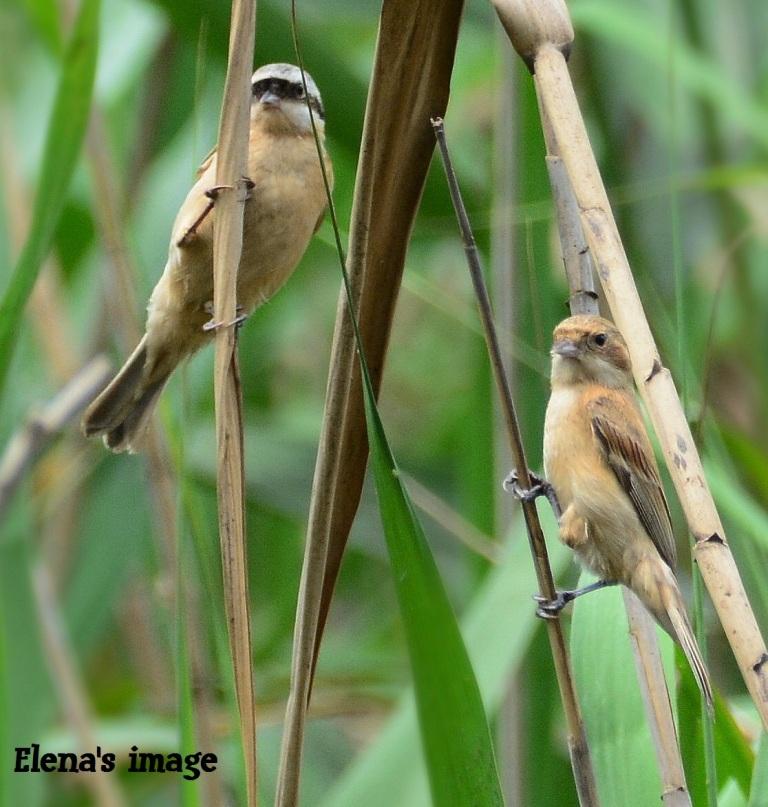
{"points": [[599, 460], [285, 207]]}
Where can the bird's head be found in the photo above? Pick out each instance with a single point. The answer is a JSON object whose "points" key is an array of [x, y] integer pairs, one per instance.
{"points": [[590, 349], [279, 100]]}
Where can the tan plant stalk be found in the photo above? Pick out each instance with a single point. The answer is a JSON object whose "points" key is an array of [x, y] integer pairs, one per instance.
{"points": [[577, 738], [653, 687], [452, 521], [410, 83], [645, 646], [231, 170], [537, 31], [68, 684], [42, 426]]}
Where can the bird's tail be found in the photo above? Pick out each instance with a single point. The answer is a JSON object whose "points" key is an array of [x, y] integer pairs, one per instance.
{"points": [[683, 633], [655, 583], [122, 411]]}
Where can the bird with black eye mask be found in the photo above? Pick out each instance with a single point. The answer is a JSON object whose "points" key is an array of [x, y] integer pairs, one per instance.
{"points": [[285, 207]]}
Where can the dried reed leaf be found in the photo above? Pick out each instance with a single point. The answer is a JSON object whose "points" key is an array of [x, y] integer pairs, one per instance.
{"points": [[41, 427], [410, 83], [231, 169]]}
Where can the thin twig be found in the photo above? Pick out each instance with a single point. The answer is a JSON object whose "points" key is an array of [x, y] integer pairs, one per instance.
{"points": [[27, 444], [452, 521], [231, 172], [577, 738]]}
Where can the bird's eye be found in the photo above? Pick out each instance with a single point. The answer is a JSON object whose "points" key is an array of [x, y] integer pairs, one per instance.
{"points": [[600, 339], [298, 91]]}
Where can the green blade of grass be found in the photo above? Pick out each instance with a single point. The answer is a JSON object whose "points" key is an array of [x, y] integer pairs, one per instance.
{"points": [[759, 793], [454, 730], [637, 30], [391, 771], [66, 130], [734, 756], [606, 681]]}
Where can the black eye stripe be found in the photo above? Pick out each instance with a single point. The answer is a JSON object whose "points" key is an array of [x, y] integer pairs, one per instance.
{"points": [[287, 89]]}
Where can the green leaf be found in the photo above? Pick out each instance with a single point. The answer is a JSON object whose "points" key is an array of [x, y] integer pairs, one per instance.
{"points": [[608, 690], [390, 771], [44, 14], [734, 756], [66, 130], [758, 795], [638, 30], [454, 730]]}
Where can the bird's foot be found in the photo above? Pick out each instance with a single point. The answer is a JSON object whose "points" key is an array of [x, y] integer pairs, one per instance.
{"points": [[190, 234], [213, 325], [539, 487], [550, 608], [213, 193]]}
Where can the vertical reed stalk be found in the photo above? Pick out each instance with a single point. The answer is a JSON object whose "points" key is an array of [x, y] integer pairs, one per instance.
{"points": [[231, 171]]}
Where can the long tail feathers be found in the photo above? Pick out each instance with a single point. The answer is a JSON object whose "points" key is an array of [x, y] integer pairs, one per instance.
{"points": [[682, 626], [122, 411]]}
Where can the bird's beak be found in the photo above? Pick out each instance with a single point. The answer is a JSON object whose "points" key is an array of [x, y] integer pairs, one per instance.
{"points": [[270, 99], [566, 348]]}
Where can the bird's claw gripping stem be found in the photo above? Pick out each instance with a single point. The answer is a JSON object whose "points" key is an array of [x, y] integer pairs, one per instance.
{"points": [[212, 325], [550, 608], [539, 487]]}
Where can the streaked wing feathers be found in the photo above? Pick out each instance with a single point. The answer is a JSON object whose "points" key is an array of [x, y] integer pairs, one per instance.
{"points": [[628, 453]]}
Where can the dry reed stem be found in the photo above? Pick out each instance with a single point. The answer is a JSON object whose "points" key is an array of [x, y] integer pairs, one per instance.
{"points": [[645, 646], [410, 83], [653, 687], [451, 520], [654, 381], [27, 443], [577, 737], [66, 680], [231, 170], [576, 256]]}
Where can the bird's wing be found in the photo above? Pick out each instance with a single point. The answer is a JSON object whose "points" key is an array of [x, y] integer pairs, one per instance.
{"points": [[628, 452], [205, 163]]}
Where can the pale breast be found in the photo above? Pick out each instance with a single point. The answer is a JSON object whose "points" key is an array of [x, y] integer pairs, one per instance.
{"points": [[279, 219], [582, 479], [562, 439]]}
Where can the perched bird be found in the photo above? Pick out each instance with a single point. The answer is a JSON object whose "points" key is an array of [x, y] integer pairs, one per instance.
{"points": [[599, 460], [285, 207]]}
